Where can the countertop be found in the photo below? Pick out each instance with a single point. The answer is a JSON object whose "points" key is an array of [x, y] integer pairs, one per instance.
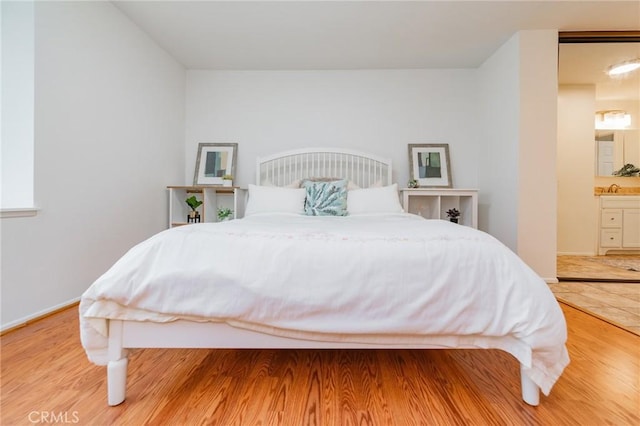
{"points": [[622, 191]]}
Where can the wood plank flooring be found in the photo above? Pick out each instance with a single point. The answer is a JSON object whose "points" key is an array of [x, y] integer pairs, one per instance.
{"points": [[45, 373]]}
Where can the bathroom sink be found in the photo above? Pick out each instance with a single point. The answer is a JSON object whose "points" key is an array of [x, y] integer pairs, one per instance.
{"points": [[622, 190]]}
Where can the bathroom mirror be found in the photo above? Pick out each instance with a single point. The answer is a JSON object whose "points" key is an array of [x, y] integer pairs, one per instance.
{"points": [[615, 148]]}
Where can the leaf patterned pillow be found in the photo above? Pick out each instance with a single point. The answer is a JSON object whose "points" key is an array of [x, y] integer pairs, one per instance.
{"points": [[326, 198]]}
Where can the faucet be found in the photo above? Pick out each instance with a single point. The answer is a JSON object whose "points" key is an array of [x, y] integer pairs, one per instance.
{"points": [[613, 188]]}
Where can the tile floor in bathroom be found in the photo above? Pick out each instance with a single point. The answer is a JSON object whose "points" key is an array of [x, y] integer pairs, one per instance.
{"points": [[612, 267], [617, 303], [608, 292]]}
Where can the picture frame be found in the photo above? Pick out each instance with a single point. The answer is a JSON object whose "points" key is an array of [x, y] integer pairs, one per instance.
{"points": [[214, 161], [429, 165]]}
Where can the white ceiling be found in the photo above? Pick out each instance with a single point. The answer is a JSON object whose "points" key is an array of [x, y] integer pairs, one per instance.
{"points": [[316, 35], [587, 63]]}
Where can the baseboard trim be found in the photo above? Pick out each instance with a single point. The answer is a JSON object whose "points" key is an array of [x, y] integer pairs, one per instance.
{"points": [[600, 280], [23, 322], [570, 253]]}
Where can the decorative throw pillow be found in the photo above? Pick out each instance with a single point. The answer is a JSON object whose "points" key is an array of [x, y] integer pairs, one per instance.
{"points": [[325, 198]]}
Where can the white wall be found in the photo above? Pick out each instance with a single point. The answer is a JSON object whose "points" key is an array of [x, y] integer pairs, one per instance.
{"points": [[538, 133], [498, 170], [376, 111], [577, 214], [109, 125], [518, 173]]}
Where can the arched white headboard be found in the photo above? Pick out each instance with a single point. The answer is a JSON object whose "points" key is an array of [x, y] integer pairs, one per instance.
{"points": [[360, 168]]}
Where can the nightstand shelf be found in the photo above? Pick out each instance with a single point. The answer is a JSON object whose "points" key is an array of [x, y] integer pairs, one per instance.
{"points": [[212, 197], [433, 203]]}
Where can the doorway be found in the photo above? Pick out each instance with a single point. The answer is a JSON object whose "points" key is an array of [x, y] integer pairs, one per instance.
{"points": [[606, 286], [589, 157]]}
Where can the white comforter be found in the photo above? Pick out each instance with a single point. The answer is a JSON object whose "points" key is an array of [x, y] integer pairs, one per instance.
{"points": [[392, 278]]}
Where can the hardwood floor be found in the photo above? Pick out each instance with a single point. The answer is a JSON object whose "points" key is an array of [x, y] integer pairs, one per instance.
{"points": [[45, 373]]}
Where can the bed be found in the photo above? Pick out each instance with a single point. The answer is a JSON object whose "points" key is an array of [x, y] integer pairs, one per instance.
{"points": [[324, 258]]}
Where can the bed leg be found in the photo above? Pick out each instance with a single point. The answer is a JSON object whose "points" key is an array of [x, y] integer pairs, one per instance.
{"points": [[117, 381], [117, 366], [530, 391]]}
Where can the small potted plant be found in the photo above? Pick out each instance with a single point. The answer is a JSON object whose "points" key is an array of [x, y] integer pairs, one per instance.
{"points": [[224, 214], [413, 183], [453, 215], [627, 170], [227, 180], [194, 203]]}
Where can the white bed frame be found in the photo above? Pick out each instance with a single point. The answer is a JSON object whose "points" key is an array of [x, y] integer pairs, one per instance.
{"points": [[280, 169], [362, 169]]}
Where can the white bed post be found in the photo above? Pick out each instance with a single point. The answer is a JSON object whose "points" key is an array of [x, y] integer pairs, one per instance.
{"points": [[117, 366], [530, 391]]}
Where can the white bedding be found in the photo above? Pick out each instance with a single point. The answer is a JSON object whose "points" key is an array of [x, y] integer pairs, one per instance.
{"points": [[383, 278]]}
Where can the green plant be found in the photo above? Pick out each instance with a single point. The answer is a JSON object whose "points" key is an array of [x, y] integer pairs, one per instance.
{"points": [[227, 177], [627, 170], [193, 202], [224, 213]]}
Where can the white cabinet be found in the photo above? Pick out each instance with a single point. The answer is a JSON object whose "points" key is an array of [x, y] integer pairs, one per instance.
{"points": [[212, 197], [434, 203], [619, 223]]}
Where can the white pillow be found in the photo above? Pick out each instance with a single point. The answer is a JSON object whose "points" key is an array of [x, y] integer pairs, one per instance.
{"points": [[374, 200], [274, 199]]}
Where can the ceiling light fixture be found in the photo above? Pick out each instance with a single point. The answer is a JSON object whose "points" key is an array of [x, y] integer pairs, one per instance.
{"points": [[624, 67], [612, 120]]}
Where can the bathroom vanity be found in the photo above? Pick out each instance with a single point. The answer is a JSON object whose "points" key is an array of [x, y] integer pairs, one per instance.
{"points": [[619, 223]]}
